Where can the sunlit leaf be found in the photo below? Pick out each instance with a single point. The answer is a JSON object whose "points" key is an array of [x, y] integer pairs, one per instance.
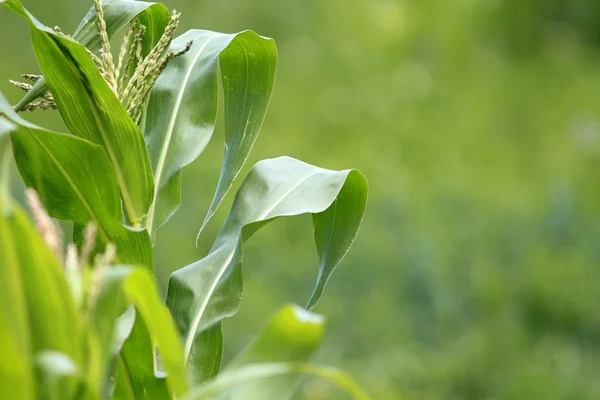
{"points": [[203, 293], [182, 109], [292, 335], [92, 111], [76, 182]]}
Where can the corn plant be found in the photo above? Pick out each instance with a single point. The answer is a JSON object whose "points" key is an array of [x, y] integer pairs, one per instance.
{"points": [[85, 320]]}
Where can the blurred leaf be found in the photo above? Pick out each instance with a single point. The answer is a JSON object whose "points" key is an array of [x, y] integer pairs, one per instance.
{"points": [[5, 160], [292, 335], [202, 294], [117, 14], [123, 285], [75, 181], [38, 312], [91, 110], [53, 368], [16, 375], [182, 109], [252, 373]]}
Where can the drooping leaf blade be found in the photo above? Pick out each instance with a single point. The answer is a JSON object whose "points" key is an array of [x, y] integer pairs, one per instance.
{"points": [[292, 335], [203, 293], [92, 111], [117, 14], [252, 373], [76, 182], [182, 110]]}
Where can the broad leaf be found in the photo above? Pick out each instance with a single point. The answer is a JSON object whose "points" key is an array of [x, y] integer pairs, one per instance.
{"points": [[238, 378], [127, 285], [202, 294], [292, 335], [91, 110], [182, 109], [117, 14], [37, 305], [76, 182]]}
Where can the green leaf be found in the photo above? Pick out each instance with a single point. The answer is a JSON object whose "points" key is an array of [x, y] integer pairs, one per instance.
{"points": [[182, 110], [37, 312], [76, 182], [202, 294], [55, 369], [16, 374], [251, 374], [136, 378], [117, 14], [91, 110], [127, 285], [141, 291], [5, 150], [292, 335]]}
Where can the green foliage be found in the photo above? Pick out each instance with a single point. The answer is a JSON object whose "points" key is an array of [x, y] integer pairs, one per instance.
{"points": [[180, 121], [74, 178], [33, 324], [89, 322], [202, 294]]}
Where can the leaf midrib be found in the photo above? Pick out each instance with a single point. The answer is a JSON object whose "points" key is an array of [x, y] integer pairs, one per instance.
{"points": [[170, 129], [129, 208], [81, 197]]}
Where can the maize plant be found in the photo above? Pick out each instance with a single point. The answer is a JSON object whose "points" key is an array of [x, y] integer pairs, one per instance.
{"points": [[81, 317]]}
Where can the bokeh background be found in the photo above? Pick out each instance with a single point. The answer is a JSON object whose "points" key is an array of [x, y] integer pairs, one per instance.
{"points": [[476, 274]]}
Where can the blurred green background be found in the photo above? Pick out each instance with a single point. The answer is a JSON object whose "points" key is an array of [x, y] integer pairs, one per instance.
{"points": [[476, 274]]}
